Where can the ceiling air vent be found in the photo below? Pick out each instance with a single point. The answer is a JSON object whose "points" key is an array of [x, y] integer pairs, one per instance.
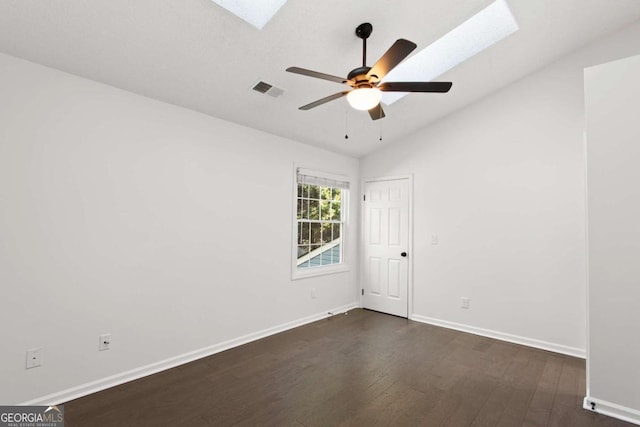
{"points": [[267, 89]]}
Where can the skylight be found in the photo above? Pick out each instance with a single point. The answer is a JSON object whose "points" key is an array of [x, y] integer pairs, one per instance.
{"points": [[490, 25], [256, 13]]}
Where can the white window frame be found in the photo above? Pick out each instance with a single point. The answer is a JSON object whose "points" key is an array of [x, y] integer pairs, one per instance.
{"points": [[297, 273]]}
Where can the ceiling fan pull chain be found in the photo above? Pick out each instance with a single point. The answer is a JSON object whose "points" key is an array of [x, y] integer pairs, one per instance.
{"points": [[346, 123], [380, 125]]}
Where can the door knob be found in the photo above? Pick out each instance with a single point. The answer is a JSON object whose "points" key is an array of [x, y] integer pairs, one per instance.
{"points": [[403, 254]]}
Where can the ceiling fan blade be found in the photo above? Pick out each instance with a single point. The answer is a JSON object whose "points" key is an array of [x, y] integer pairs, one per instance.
{"points": [[441, 87], [376, 112], [317, 75], [392, 57], [323, 100]]}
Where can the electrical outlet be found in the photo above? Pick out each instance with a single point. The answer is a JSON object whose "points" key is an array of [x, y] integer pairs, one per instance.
{"points": [[104, 342], [465, 302], [34, 357], [434, 239]]}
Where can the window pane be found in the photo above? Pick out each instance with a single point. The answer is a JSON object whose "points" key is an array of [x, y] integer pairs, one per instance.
{"points": [[336, 208], [314, 209], [299, 210], [304, 209], [325, 193], [330, 214], [303, 233], [314, 192], [316, 233], [327, 257], [325, 210], [304, 265], [336, 230], [299, 190], [326, 232], [303, 250], [335, 255], [336, 194]]}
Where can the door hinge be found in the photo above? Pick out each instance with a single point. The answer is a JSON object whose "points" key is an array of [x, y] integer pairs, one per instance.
{"points": [[364, 197], [361, 291]]}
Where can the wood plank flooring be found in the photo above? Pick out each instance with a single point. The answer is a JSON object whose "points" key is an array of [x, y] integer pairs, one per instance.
{"points": [[360, 369]]}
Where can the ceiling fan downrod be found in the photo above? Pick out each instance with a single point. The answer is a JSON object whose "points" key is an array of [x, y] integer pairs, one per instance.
{"points": [[364, 31]]}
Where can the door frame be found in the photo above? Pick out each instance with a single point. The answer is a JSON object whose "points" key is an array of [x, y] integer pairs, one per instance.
{"points": [[363, 182]]}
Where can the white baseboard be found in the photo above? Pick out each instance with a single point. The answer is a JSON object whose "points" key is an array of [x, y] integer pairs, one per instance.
{"points": [[612, 410], [544, 345], [153, 368]]}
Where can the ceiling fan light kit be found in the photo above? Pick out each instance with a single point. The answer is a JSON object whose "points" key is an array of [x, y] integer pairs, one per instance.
{"points": [[364, 99], [366, 87]]}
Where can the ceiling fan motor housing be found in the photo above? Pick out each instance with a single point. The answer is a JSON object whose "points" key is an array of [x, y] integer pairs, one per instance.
{"points": [[359, 76]]}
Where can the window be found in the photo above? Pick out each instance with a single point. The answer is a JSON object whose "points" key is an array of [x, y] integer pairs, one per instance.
{"points": [[320, 222]]}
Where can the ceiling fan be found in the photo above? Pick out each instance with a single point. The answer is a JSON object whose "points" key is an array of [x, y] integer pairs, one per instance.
{"points": [[366, 89]]}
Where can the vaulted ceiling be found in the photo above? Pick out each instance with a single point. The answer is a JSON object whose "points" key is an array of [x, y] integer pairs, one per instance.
{"points": [[197, 55]]}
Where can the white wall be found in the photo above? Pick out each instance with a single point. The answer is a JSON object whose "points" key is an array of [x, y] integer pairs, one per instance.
{"points": [[612, 93], [167, 228], [502, 184]]}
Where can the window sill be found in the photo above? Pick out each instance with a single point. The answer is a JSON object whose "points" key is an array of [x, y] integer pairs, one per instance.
{"points": [[318, 271]]}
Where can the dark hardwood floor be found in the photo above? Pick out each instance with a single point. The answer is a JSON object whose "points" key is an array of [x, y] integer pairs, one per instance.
{"points": [[360, 369]]}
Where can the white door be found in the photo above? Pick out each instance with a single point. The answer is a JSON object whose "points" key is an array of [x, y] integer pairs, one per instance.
{"points": [[386, 245]]}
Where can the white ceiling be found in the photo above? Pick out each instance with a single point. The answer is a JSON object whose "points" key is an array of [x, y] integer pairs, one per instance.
{"points": [[197, 55]]}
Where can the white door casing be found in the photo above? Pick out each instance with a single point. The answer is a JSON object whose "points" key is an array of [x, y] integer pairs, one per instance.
{"points": [[385, 231]]}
